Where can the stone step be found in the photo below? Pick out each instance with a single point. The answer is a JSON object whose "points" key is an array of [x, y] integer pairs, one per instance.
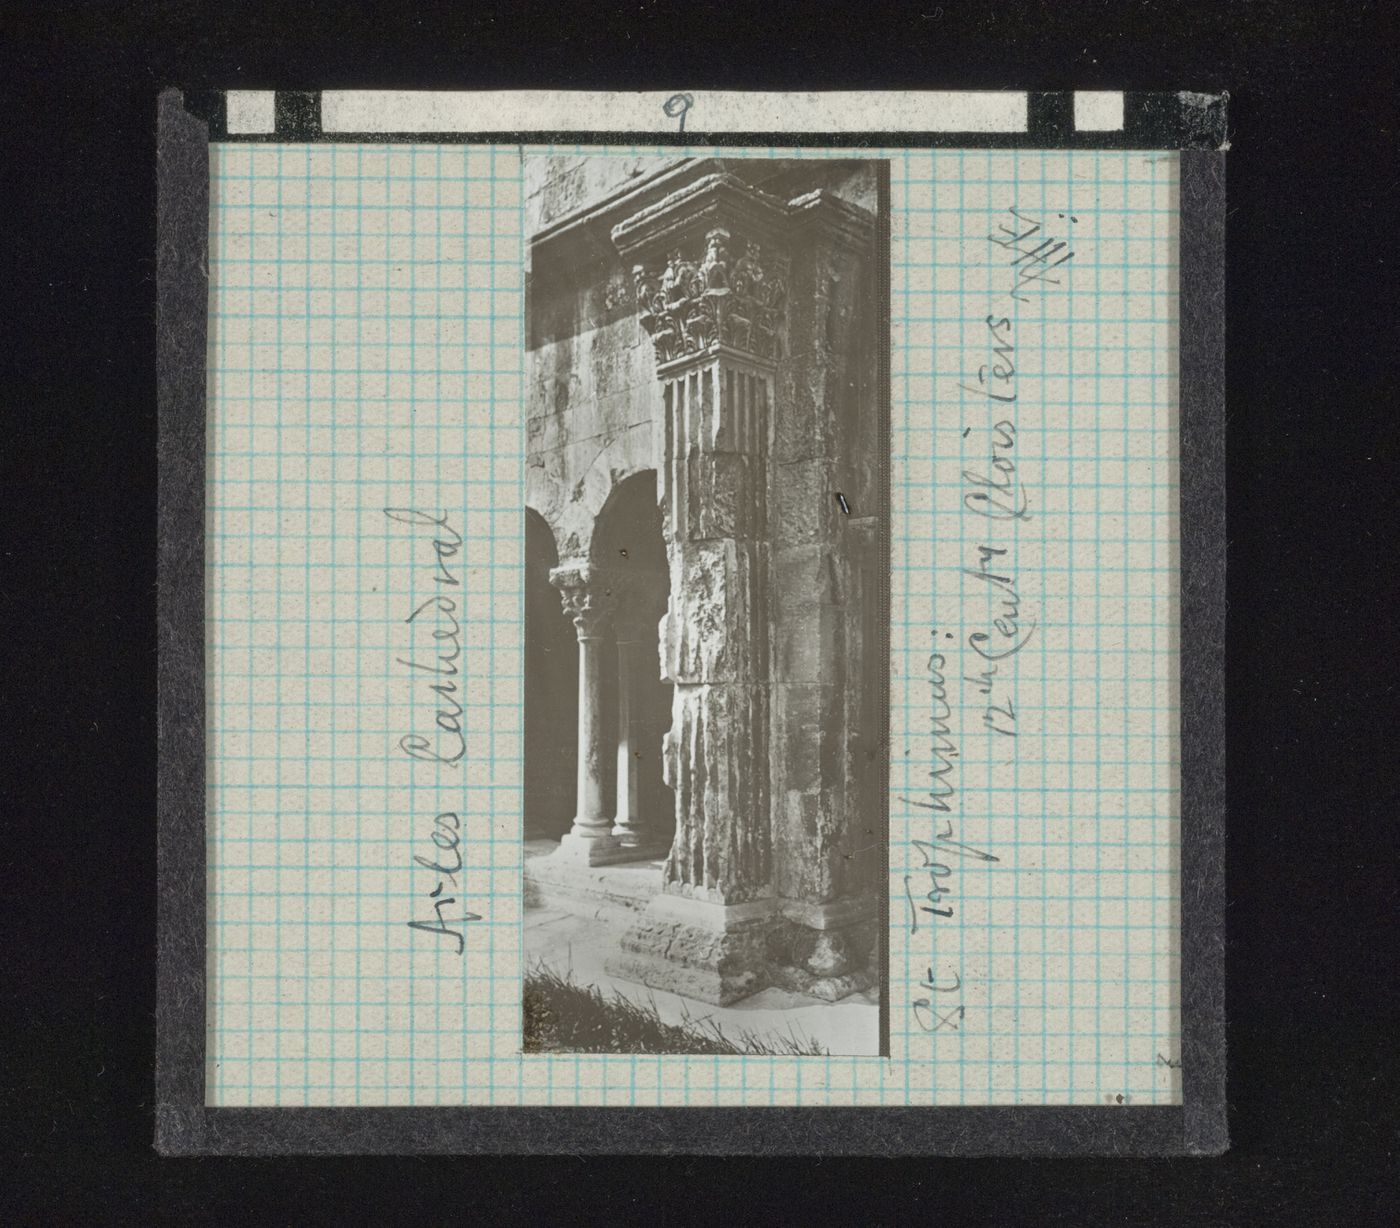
{"points": [[616, 890]]}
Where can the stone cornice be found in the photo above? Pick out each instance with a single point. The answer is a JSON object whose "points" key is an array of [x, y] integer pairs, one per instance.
{"points": [[710, 264], [719, 199], [838, 220], [583, 237], [586, 235]]}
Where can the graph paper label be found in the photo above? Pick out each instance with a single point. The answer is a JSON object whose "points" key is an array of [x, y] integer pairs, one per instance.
{"points": [[692, 626]]}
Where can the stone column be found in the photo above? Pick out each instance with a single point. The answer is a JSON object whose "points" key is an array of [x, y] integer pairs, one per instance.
{"points": [[709, 276], [589, 601]]}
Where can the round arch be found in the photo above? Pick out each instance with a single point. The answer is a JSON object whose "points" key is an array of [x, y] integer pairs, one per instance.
{"points": [[627, 532], [628, 540]]}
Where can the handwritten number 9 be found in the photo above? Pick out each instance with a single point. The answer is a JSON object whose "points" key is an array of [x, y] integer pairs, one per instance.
{"points": [[678, 105]]}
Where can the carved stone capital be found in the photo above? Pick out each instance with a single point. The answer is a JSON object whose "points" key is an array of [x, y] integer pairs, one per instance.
{"points": [[732, 294], [588, 597], [710, 271]]}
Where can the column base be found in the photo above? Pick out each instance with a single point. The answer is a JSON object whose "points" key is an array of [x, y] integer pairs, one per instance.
{"points": [[718, 953], [828, 950], [641, 846], [715, 953], [590, 850]]}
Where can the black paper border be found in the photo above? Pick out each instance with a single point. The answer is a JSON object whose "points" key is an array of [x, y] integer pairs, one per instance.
{"points": [[185, 1126]]}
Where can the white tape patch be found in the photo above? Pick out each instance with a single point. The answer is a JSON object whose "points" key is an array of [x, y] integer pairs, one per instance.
{"points": [[1098, 110], [251, 111], [351, 111]]}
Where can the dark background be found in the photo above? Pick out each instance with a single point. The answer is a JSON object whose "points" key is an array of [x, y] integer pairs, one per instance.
{"points": [[1314, 434]]}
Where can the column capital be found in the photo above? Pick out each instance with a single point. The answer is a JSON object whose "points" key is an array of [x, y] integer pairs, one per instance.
{"points": [[709, 270], [588, 597]]}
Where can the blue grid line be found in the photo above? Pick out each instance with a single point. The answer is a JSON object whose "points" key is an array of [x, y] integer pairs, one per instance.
{"points": [[367, 313]]}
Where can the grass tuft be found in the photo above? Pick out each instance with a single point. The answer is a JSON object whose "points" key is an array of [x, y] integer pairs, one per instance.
{"points": [[564, 1017]]}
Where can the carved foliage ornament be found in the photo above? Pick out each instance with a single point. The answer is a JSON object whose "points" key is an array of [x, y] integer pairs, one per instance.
{"points": [[587, 598], [590, 610], [694, 304]]}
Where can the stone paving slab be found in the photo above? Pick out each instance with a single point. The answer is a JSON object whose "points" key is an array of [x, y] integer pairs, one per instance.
{"points": [[578, 947]]}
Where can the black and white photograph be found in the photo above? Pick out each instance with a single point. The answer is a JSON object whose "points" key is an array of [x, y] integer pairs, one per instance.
{"points": [[706, 632]]}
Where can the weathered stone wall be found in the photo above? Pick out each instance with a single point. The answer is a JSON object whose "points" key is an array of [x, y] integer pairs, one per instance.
{"points": [[825, 487], [590, 416], [560, 185], [591, 384]]}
